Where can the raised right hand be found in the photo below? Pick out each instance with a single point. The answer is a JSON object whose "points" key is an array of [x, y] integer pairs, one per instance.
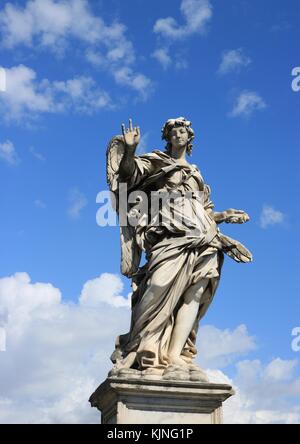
{"points": [[132, 136]]}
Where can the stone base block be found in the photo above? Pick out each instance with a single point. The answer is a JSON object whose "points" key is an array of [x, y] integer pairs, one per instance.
{"points": [[143, 401]]}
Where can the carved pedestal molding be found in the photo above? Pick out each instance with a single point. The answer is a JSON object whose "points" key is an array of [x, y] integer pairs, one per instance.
{"points": [[144, 401]]}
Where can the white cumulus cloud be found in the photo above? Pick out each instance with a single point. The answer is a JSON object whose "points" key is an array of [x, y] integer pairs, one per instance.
{"points": [[81, 94], [56, 25], [218, 348], [57, 353], [26, 97], [49, 23], [247, 103], [259, 397], [106, 288], [270, 216], [280, 370]]}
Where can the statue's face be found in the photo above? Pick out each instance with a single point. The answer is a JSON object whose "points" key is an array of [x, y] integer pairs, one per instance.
{"points": [[179, 137]]}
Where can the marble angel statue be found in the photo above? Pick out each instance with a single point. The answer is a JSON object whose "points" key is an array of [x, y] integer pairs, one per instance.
{"points": [[184, 251]]}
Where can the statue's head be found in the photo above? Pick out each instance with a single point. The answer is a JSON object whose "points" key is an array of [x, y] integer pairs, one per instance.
{"points": [[178, 131]]}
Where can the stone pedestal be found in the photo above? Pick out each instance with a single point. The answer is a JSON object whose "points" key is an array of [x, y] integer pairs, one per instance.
{"points": [[144, 401]]}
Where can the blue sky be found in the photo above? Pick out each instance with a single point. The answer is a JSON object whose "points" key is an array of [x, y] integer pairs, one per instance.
{"points": [[69, 88]]}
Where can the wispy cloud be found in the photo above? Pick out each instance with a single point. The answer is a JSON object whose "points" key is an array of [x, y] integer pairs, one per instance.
{"points": [[196, 15], [37, 154], [39, 204], [138, 82], [8, 153], [233, 60], [77, 202], [81, 94], [163, 57], [167, 57], [143, 145], [282, 26], [270, 216], [247, 103]]}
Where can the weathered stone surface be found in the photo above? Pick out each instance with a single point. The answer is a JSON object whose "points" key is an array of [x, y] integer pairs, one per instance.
{"points": [[154, 379], [183, 246], [146, 401]]}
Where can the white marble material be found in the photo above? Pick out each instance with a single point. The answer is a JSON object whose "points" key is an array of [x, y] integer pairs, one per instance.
{"points": [[183, 245], [145, 401]]}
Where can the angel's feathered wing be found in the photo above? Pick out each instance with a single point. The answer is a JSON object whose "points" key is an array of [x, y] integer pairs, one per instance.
{"points": [[130, 251]]}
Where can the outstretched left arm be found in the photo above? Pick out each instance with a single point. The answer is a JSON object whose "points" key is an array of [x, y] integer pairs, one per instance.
{"points": [[231, 216]]}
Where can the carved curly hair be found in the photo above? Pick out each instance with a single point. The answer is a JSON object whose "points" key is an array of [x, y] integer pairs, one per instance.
{"points": [[175, 123]]}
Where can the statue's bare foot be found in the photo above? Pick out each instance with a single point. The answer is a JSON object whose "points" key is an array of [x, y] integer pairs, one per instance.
{"points": [[177, 369], [177, 373]]}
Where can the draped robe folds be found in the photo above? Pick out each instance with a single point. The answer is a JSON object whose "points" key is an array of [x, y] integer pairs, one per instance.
{"points": [[180, 252]]}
